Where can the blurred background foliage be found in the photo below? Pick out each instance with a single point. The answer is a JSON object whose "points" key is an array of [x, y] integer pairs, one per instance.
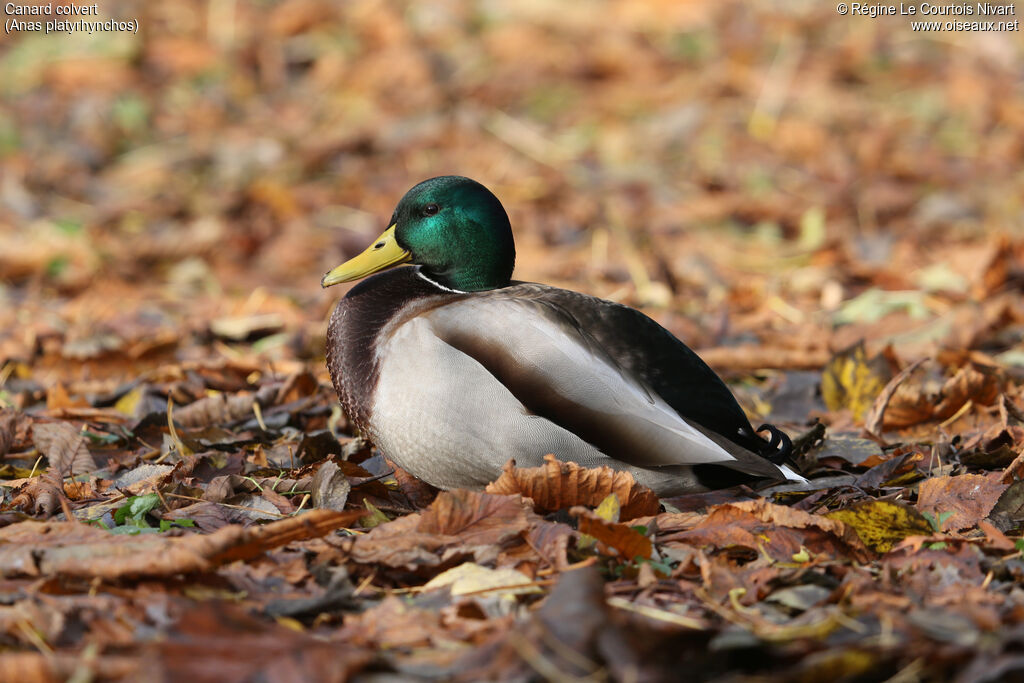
{"points": [[767, 173]]}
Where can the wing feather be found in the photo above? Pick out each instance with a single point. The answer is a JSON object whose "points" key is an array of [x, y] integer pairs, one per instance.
{"points": [[560, 370]]}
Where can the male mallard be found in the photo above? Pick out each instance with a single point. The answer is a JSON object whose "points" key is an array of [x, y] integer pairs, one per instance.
{"points": [[451, 368]]}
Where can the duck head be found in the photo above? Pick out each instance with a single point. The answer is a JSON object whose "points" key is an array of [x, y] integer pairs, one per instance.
{"points": [[452, 227]]}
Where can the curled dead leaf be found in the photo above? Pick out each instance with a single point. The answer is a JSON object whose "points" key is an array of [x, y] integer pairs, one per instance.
{"points": [[874, 419], [557, 485], [330, 487], [925, 397], [40, 495]]}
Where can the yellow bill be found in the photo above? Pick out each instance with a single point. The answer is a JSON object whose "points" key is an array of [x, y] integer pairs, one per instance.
{"points": [[383, 253]]}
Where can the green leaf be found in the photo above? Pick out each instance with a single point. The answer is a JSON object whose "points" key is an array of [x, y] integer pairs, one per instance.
{"points": [[936, 524], [135, 509], [166, 524]]}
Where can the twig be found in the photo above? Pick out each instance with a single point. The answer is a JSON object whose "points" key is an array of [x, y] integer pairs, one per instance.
{"points": [[655, 613]]}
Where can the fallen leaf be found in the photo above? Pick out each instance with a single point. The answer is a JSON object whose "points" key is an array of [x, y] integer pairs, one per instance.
{"points": [[1008, 512], [779, 530], [392, 624], [470, 577], [57, 399], [852, 380], [874, 420], [221, 408], [885, 472], [881, 524], [457, 523], [573, 631], [629, 542], [962, 500], [557, 485], [8, 424], [924, 398], [238, 329], [996, 538], [64, 446], [330, 487], [476, 518], [40, 495], [76, 550], [223, 642]]}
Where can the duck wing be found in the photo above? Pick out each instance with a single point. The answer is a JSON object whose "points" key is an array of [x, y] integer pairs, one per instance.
{"points": [[605, 372]]}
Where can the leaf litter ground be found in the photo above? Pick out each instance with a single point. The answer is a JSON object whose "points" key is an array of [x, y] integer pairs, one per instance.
{"points": [[826, 208]]}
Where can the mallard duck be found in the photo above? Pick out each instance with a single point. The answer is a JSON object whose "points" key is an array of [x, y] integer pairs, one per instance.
{"points": [[451, 368]]}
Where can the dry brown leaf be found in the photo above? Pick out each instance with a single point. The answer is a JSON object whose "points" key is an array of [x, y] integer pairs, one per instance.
{"points": [[77, 550], [222, 408], [994, 273], [57, 399], [217, 641], [1014, 471], [458, 522], [476, 518], [969, 497], [574, 632], [883, 472], [64, 446], [394, 624], [629, 542], [996, 538], [330, 487], [420, 493], [920, 400], [40, 495], [398, 544], [38, 667], [874, 419], [559, 485], [8, 425], [778, 530]]}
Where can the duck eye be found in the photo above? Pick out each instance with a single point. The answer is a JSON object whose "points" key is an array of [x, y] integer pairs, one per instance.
{"points": [[431, 209]]}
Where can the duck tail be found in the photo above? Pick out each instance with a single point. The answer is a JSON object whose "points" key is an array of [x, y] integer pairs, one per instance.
{"points": [[779, 447]]}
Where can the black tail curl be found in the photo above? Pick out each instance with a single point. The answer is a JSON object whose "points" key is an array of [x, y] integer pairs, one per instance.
{"points": [[780, 445]]}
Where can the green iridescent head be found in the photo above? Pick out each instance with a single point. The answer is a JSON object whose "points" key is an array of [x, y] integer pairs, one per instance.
{"points": [[454, 228]]}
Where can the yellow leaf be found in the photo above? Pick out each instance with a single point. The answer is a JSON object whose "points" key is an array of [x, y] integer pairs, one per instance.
{"points": [[609, 508], [881, 524], [129, 402], [293, 624], [375, 518], [852, 380]]}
